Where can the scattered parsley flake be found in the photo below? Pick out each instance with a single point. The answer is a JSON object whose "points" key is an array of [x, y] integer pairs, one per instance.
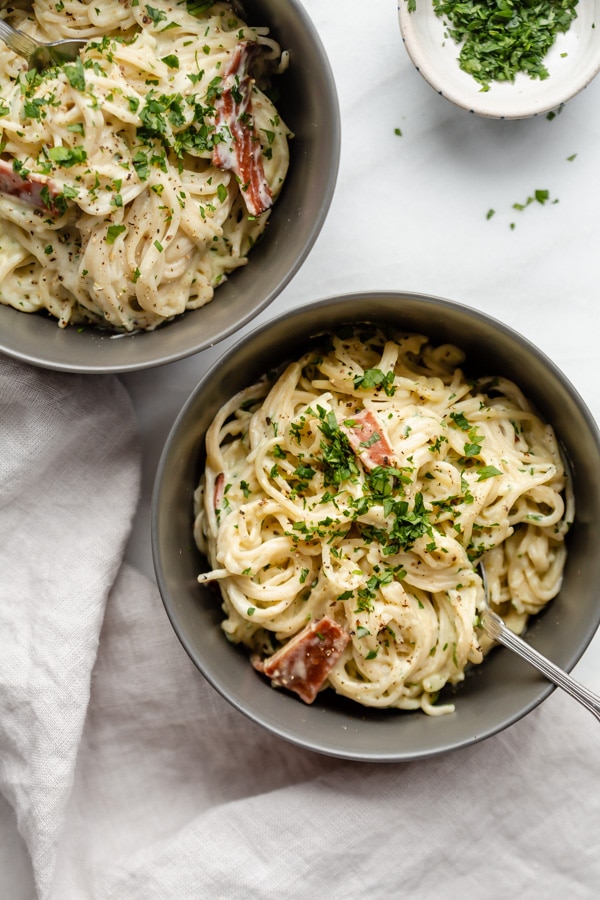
{"points": [[67, 156], [113, 232], [156, 15], [76, 75], [472, 449], [486, 472], [373, 378]]}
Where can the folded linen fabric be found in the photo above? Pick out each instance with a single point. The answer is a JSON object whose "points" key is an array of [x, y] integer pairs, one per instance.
{"points": [[177, 796], [69, 482], [139, 782]]}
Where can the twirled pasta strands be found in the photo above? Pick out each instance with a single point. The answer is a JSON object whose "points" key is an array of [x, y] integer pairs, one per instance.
{"points": [[305, 525], [140, 221]]}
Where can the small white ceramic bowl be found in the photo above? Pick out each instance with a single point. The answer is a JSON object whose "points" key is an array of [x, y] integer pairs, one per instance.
{"points": [[572, 62]]}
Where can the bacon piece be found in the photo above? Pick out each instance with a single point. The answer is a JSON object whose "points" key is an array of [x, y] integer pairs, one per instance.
{"points": [[305, 662], [219, 491], [368, 439], [28, 189], [240, 149]]}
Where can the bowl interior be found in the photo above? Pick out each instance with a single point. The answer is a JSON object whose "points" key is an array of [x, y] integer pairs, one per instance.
{"points": [[493, 695], [308, 104], [572, 62]]}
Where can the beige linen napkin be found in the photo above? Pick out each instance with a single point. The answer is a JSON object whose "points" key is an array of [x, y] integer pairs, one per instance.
{"points": [[69, 481]]}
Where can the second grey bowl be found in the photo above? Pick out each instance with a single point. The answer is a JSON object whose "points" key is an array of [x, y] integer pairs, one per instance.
{"points": [[309, 106], [495, 694]]}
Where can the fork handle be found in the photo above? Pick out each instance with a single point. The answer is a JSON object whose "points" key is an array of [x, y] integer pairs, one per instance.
{"points": [[18, 41], [557, 676]]}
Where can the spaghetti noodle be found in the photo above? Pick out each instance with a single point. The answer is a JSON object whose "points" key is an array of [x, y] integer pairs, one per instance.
{"points": [[360, 489], [133, 181]]}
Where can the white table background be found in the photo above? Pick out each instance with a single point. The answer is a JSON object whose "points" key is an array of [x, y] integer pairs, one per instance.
{"points": [[409, 213]]}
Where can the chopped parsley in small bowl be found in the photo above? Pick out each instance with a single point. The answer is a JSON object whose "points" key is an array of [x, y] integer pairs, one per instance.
{"points": [[503, 59]]}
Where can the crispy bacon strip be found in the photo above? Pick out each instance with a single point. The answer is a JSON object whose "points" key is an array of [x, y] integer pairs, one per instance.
{"points": [[219, 491], [305, 662], [28, 189], [240, 149], [369, 440]]}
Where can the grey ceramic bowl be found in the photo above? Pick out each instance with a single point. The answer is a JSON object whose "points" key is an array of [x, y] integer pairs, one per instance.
{"points": [[308, 104], [493, 695]]}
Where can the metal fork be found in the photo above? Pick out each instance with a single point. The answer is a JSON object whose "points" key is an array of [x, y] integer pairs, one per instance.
{"points": [[39, 55], [495, 627]]}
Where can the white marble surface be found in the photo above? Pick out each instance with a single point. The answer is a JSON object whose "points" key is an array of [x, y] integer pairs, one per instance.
{"points": [[409, 213]]}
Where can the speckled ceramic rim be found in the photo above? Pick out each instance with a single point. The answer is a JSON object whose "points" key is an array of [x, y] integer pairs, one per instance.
{"points": [[309, 106], [494, 695]]}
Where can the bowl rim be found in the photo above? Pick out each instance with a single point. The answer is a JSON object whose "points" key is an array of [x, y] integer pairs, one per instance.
{"points": [[268, 719], [96, 339]]}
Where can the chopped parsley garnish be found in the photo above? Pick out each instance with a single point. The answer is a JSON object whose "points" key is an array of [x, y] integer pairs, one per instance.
{"points": [[67, 156], [373, 378], [76, 75], [338, 457], [156, 15], [408, 525], [141, 165], [501, 38], [113, 232], [486, 472], [197, 7], [460, 420], [539, 195], [472, 449]]}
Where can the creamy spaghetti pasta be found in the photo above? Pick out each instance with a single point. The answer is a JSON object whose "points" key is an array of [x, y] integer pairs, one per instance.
{"points": [[134, 180], [361, 487]]}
